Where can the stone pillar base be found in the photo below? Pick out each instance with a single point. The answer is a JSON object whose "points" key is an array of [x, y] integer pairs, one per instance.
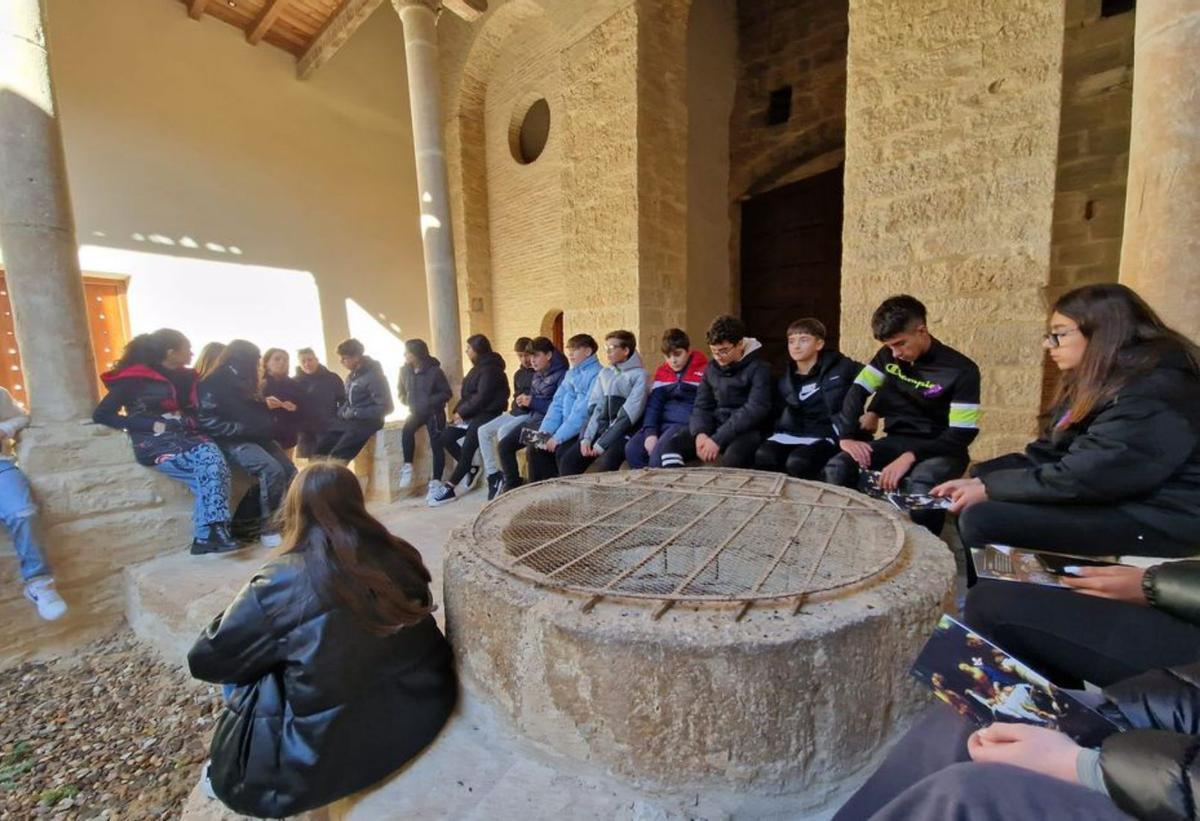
{"points": [[98, 512], [378, 465]]}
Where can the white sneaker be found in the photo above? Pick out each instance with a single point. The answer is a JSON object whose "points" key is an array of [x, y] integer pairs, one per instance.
{"points": [[206, 787], [406, 475], [271, 539], [41, 592], [443, 496]]}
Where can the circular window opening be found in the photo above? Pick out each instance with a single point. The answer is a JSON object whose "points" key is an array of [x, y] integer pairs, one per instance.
{"points": [[529, 131]]}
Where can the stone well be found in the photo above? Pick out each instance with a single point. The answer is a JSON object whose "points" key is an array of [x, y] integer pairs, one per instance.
{"points": [[697, 630]]}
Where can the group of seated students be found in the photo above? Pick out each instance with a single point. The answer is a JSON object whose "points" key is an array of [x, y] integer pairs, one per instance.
{"points": [[239, 407], [336, 674]]}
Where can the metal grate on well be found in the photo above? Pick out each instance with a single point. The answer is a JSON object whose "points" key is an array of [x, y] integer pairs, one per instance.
{"points": [[698, 535]]}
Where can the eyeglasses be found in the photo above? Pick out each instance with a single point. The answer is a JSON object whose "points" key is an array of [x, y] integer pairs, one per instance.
{"points": [[722, 352], [611, 348], [1054, 338]]}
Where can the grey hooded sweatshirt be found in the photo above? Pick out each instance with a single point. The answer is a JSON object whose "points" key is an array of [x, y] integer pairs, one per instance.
{"points": [[616, 403]]}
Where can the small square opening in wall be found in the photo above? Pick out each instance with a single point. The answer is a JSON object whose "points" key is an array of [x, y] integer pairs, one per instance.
{"points": [[1111, 8], [779, 109]]}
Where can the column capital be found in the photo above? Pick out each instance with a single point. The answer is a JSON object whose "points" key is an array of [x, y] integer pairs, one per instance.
{"points": [[466, 9], [401, 5]]}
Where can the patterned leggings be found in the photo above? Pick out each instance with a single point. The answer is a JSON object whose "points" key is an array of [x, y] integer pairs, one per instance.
{"points": [[204, 470]]}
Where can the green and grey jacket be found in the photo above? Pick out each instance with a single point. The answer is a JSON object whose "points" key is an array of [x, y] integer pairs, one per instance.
{"points": [[616, 403]]}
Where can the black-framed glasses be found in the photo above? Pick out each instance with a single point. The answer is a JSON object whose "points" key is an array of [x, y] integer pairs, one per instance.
{"points": [[721, 352], [1054, 338]]}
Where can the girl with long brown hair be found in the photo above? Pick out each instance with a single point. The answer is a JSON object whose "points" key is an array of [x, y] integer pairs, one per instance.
{"points": [[1115, 472], [340, 672], [282, 395]]}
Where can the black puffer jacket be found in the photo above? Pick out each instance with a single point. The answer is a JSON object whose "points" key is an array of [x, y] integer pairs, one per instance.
{"points": [[1141, 451], [368, 397], [149, 395], [484, 388], [227, 413], [1153, 771], [733, 399], [320, 394], [287, 423], [323, 708], [522, 384], [425, 391], [807, 404]]}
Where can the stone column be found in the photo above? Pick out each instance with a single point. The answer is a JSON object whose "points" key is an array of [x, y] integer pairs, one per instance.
{"points": [[424, 91], [1162, 205], [37, 230]]}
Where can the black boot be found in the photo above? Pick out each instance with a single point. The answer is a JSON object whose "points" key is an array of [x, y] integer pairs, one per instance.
{"points": [[216, 540]]}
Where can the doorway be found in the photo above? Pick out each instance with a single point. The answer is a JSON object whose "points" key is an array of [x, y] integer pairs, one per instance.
{"points": [[791, 261]]}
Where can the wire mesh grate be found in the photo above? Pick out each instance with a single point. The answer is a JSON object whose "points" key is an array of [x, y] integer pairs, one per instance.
{"points": [[699, 535]]}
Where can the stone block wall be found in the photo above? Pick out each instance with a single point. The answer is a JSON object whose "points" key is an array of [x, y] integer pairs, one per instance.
{"points": [[99, 512], [951, 149], [1093, 147]]}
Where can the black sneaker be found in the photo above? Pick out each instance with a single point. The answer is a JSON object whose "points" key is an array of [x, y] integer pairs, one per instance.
{"points": [[441, 496], [216, 540], [495, 485]]}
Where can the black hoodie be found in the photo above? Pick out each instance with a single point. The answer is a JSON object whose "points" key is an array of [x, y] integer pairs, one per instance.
{"points": [[484, 389], [807, 404], [320, 394], [425, 391]]}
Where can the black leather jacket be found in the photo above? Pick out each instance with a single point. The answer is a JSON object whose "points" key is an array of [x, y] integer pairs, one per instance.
{"points": [[323, 708], [226, 413]]}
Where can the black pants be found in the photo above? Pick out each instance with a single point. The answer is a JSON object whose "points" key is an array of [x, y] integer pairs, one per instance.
{"points": [[345, 442], [1072, 638], [434, 423], [929, 775], [799, 461], [270, 467], [572, 462], [461, 443], [737, 454], [924, 476], [546, 465], [508, 447]]}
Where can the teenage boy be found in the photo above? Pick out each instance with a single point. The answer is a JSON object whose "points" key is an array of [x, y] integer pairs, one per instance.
{"points": [[368, 401], [732, 403], [928, 395], [808, 396], [18, 512], [671, 398], [490, 433], [549, 368], [615, 406], [568, 411]]}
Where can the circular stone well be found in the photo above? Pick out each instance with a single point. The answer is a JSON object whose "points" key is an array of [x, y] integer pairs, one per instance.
{"points": [[697, 629]]}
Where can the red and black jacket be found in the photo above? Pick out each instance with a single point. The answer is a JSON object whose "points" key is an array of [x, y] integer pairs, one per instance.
{"points": [[148, 396]]}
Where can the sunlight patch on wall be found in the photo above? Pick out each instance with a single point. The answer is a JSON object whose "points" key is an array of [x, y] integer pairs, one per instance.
{"points": [[215, 300]]}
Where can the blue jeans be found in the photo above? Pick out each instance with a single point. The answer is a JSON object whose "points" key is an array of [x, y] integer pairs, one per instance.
{"points": [[203, 469], [17, 511]]}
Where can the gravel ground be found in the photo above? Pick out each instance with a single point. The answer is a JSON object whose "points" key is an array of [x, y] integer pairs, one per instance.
{"points": [[109, 733]]}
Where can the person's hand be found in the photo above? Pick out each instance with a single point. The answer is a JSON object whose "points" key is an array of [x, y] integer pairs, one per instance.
{"points": [[962, 492], [897, 469], [523, 400], [948, 489], [859, 451], [1120, 583], [650, 442], [289, 406], [551, 445], [273, 403], [160, 428], [456, 419], [1039, 749], [586, 449], [707, 448], [869, 422]]}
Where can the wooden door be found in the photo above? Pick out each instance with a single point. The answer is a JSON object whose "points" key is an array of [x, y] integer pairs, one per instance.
{"points": [[108, 322], [791, 259]]}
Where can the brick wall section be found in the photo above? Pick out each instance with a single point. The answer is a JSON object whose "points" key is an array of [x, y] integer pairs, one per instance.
{"points": [[951, 143], [1093, 147]]}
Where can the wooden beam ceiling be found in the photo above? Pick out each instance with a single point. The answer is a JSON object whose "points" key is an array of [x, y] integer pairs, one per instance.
{"points": [[196, 10], [268, 18], [344, 23]]}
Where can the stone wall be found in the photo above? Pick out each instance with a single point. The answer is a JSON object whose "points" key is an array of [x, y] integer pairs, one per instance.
{"points": [[1093, 147], [99, 512], [596, 226], [951, 144]]}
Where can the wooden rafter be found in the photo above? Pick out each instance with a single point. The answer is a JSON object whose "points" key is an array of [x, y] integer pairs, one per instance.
{"points": [[196, 8], [268, 18], [351, 15]]}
